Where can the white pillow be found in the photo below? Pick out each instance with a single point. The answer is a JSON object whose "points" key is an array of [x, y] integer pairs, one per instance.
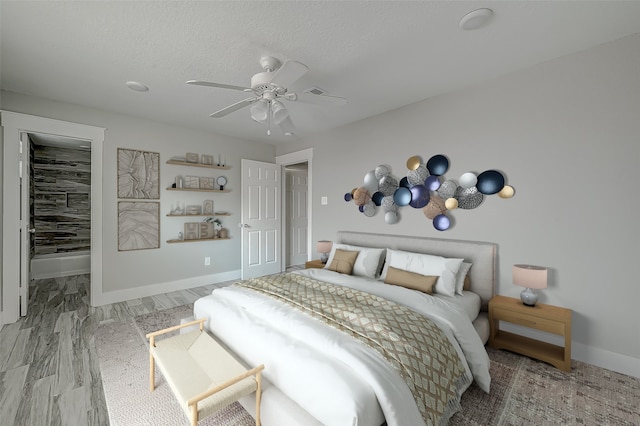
{"points": [[368, 262], [461, 275], [426, 264]]}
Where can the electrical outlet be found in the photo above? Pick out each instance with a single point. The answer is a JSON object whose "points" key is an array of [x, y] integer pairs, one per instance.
{"points": [[324, 201], [207, 261]]}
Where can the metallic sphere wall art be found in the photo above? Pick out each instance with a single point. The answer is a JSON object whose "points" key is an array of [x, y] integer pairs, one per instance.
{"points": [[425, 187]]}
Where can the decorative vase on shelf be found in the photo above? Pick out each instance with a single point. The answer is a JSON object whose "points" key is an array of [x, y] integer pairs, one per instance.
{"points": [[223, 233]]}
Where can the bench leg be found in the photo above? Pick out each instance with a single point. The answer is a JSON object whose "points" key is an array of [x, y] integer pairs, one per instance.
{"points": [[194, 414], [258, 396], [152, 372]]}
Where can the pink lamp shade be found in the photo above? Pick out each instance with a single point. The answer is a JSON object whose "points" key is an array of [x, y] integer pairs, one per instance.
{"points": [[531, 277], [324, 248]]}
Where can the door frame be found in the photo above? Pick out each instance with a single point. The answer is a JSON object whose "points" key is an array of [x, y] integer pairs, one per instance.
{"points": [[13, 124], [305, 155]]}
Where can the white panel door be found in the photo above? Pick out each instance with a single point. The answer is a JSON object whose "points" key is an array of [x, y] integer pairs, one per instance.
{"points": [[297, 218], [261, 219], [25, 229]]}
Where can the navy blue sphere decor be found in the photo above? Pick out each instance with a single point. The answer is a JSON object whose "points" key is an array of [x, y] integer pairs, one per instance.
{"points": [[432, 182], [441, 222], [419, 196], [404, 182], [490, 182], [422, 188], [402, 196], [438, 165], [377, 198]]}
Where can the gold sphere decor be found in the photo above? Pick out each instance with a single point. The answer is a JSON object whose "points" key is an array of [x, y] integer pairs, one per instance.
{"points": [[414, 162], [451, 204], [506, 192]]}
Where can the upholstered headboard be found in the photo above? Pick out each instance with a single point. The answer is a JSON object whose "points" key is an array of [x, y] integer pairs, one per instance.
{"points": [[483, 256]]}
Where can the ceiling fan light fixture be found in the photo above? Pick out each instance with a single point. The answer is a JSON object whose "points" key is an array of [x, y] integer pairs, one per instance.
{"points": [[280, 113], [260, 110]]}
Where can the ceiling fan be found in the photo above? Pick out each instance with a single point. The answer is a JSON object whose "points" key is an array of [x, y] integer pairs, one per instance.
{"points": [[268, 89]]}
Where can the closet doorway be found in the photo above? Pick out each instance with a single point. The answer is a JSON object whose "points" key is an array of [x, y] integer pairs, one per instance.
{"points": [[296, 203], [19, 232]]}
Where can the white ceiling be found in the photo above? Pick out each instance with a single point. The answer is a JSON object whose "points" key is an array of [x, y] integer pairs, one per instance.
{"points": [[379, 55]]}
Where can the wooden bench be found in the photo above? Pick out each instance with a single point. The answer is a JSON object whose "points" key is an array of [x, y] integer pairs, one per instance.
{"points": [[203, 376]]}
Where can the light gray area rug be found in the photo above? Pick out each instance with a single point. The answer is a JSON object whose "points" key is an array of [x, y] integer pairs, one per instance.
{"points": [[523, 391], [123, 353]]}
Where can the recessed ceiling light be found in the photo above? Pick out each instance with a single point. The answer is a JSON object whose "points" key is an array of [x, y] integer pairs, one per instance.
{"points": [[475, 19], [138, 87]]}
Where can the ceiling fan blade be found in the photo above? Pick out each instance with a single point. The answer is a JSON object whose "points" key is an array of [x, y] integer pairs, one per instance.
{"points": [[289, 73], [287, 127], [238, 105], [310, 98], [223, 86]]}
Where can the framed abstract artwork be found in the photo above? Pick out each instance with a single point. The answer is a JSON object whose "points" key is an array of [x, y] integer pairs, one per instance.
{"points": [[138, 174], [138, 225]]}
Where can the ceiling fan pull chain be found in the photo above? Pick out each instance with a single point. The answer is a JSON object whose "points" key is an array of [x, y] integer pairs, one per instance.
{"points": [[269, 119]]}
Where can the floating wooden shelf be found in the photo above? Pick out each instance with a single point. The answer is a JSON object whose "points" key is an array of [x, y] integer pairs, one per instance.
{"points": [[198, 190], [207, 166], [198, 215], [195, 241]]}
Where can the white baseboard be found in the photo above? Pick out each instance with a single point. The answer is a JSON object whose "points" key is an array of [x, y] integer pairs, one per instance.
{"points": [[166, 287], [610, 360], [58, 274], [580, 352]]}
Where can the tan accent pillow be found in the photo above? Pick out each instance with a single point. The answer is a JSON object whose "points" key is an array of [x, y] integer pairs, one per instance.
{"points": [[467, 283], [412, 280], [343, 261]]}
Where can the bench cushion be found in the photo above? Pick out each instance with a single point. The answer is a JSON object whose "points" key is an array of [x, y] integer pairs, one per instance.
{"points": [[193, 363]]}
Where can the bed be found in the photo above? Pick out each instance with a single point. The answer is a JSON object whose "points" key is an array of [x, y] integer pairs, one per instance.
{"points": [[320, 371]]}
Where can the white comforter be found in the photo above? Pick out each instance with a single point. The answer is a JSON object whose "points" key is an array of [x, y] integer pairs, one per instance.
{"points": [[337, 379]]}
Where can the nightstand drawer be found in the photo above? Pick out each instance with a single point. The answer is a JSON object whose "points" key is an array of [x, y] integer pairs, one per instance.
{"points": [[531, 321]]}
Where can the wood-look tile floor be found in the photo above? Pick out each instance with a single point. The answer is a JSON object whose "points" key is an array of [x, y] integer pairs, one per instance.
{"points": [[49, 371]]}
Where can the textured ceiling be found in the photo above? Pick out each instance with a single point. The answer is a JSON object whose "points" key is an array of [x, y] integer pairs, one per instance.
{"points": [[379, 55]]}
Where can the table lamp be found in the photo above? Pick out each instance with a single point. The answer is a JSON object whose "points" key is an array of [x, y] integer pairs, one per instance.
{"points": [[530, 277], [324, 248]]}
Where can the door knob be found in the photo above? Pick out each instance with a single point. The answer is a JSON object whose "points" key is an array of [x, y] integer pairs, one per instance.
{"points": [[32, 230]]}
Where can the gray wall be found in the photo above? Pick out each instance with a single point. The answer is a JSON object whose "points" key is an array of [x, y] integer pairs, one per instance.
{"points": [[566, 134], [171, 262]]}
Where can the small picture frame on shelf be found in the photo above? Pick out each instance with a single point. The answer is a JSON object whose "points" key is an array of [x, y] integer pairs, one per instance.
{"points": [[206, 159], [191, 182], [206, 183], [192, 157], [207, 231], [194, 210], [192, 231], [207, 207]]}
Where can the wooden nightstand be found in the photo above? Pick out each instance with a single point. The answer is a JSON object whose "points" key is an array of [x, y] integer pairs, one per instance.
{"points": [[316, 263], [543, 317]]}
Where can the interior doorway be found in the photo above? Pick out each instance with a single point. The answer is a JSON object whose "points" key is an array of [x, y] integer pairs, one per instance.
{"points": [[297, 159], [59, 177], [296, 218], [17, 227]]}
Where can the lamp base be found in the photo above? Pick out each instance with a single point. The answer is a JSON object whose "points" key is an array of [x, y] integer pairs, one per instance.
{"points": [[324, 257], [528, 297]]}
